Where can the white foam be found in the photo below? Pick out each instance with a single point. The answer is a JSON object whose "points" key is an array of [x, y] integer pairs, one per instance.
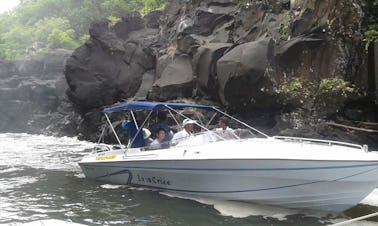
{"points": [[242, 210], [52, 222], [39, 151], [371, 199], [111, 186]]}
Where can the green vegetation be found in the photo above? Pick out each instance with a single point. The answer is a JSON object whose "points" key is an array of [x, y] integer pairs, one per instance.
{"points": [[60, 23], [285, 26], [305, 88], [328, 93], [372, 19]]}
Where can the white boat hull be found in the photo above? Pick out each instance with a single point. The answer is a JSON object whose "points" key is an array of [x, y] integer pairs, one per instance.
{"points": [[332, 184]]}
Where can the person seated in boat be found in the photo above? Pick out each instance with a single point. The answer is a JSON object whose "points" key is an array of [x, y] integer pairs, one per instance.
{"points": [[132, 130], [224, 130], [223, 125], [187, 130], [159, 143], [162, 124]]}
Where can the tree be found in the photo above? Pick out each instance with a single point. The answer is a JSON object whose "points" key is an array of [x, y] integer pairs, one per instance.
{"points": [[62, 39], [119, 7], [60, 23], [150, 5], [43, 28]]}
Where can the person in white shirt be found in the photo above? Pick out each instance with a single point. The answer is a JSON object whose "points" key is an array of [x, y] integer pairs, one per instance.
{"points": [[187, 130], [223, 125], [224, 131], [158, 142]]}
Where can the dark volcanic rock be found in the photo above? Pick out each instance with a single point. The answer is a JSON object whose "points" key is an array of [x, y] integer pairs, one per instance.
{"points": [[145, 87], [8, 68], [153, 19], [32, 94], [237, 52], [205, 66], [207, 20], [176, 81], [44, 66], [106, 69], [243, 78], [161, 64], [130, 22]]}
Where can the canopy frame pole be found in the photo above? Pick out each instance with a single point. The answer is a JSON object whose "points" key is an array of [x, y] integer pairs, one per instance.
{"points": [[198, 117], [237, 120], [102, 133], [139, 129], [196, 123], [174, 118], [111, 126], [211, 119], [135, 121]]}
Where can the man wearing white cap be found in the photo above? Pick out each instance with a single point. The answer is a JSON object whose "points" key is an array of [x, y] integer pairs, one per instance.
{"points": [[187, 130]]}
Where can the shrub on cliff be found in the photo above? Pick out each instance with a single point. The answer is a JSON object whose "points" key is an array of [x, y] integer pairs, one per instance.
{"points": [[322, 98]]}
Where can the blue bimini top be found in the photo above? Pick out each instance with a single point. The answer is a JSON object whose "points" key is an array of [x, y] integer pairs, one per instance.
{"points": [[144, 105]]}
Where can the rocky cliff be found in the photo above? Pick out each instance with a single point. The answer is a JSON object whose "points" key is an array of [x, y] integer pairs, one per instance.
{"points": [[293, 63], [32, 95], [289, 67]]}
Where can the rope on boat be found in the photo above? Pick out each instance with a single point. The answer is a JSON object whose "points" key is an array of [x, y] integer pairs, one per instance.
{"points": [[355, 219]]}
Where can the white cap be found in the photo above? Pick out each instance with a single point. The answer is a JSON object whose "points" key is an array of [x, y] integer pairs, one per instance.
{"points": [[188, 121]]}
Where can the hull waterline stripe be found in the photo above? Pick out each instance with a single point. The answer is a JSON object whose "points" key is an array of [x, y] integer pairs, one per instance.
{"points": [[229, 169]]}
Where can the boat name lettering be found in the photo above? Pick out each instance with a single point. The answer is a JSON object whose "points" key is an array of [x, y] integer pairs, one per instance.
{"points": [[108, 157], [153, 180]]}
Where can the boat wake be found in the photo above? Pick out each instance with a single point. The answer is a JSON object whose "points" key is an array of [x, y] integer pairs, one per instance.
{"points": [[242, 210], [372, 199]]}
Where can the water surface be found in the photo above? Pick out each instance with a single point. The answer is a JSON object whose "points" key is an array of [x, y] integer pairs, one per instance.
{"points": [[40, 180]]}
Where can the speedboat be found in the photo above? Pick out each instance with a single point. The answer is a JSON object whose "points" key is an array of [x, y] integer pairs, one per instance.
{"points": [[285, 171]]}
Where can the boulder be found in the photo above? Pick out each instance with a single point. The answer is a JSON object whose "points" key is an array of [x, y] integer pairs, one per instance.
{"points": [[100, 32], [207, 20], [204, 66], [308, 56], [153, 19], [244, 79], [147, 83], [176, 81], [256, 20], [162, 63], [130, 22], [105, 69]]}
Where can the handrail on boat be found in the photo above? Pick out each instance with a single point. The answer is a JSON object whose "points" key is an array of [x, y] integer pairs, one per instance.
{"points": [[356, 219], [329, 142]]}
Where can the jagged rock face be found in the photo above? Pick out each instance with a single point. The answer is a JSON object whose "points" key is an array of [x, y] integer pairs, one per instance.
{"points": [[305, 35], [205, 66], [243, 75], [32, 95], [235, 52], [176, 81], [108, 68]]}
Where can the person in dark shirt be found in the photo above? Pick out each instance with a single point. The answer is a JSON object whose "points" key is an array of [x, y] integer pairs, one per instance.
{"points": [[131, 131]]}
